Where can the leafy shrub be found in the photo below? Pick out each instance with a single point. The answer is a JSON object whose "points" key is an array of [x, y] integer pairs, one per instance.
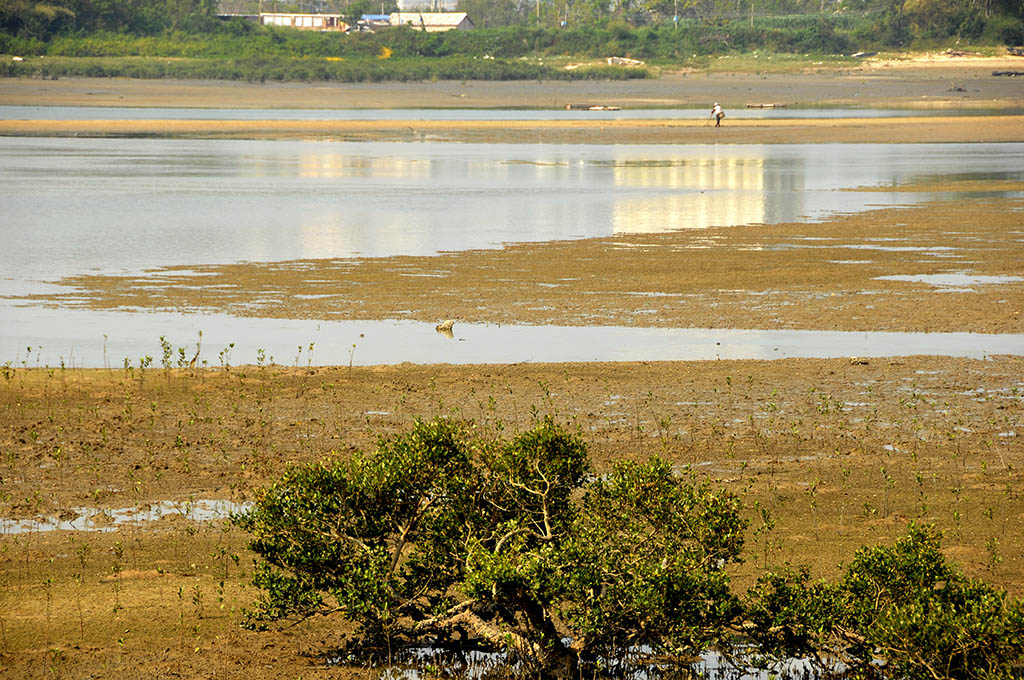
{"points": [[904, 604], [439, 534], [647, 558], [438, 531], [10, 44]]}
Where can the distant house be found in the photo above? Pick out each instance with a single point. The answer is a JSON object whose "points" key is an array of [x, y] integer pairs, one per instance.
{"points": [[432, 22], [304, 22], [426, 5]]}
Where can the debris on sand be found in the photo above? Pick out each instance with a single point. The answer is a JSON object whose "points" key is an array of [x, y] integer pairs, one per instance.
{"points": [[624, 61], [590, 107]]}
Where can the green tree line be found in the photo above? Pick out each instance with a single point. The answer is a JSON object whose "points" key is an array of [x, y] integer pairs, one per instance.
{"points": [[647, 29]]}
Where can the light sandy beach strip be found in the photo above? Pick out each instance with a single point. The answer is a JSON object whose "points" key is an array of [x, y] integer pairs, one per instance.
{"points": [[999, 128]]}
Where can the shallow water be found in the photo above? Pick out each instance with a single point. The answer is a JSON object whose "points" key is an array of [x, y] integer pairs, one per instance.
{"points": [[952, 282], [95, 519], [83, 338], [73, 206], [410, 663], [78, 205]]}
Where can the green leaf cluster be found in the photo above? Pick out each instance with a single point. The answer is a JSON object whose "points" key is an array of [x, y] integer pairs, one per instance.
{"points": [[904, 605], [515, 543], [649, 552], [441, 534], [377, 534]]}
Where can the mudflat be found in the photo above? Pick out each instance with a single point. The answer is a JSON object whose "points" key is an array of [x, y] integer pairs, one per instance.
{"points": [[936, 82], [664, 131], [926, 81], [944, 82], [832, 275], [842, 452]]}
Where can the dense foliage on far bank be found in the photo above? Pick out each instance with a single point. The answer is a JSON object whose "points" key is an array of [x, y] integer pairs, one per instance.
{"points": [[446, 538], [190, 31], [666, 42], [583, 27]]}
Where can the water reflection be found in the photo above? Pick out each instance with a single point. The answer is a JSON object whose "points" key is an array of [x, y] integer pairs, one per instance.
{"points": [[74, 205], [84, 338], [719, 189]]}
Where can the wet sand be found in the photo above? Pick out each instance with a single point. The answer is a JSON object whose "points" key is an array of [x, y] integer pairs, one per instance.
{"points": [[818, 276], [666, 131], [929, 82]]}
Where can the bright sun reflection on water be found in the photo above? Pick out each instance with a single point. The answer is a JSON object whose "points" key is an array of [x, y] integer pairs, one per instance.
{"points": [[78, 205]]}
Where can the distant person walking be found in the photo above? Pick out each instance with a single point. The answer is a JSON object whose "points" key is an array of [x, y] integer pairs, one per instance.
{"points": [[718, 114]]}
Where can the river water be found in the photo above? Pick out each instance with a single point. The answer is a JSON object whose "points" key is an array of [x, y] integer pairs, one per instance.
{"points": [[71, 206]]}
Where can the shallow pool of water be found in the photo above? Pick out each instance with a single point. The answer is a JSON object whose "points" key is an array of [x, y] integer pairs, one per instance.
{"points": [[957, 281], [95, 519], [638, 663], [84, 338]]}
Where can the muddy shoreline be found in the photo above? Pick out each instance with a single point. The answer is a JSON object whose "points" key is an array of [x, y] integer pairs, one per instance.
{"points": [[842, 453], [666, 131], [923, 81], [946, 84], [830, 275]]}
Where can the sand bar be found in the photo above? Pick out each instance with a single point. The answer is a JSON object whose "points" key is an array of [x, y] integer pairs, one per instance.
{"points": [[935, 82], [997, 128]]}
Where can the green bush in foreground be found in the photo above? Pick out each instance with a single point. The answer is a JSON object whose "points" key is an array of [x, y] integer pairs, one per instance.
{"points": [[438, 532], [905, 604], [440, 535]]}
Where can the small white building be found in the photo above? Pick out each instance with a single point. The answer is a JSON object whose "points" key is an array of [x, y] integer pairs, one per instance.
{"points": [[433, 22], [305, 22]]}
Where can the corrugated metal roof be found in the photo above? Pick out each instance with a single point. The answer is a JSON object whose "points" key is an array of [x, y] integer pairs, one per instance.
{"points": [[426, 6]]}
